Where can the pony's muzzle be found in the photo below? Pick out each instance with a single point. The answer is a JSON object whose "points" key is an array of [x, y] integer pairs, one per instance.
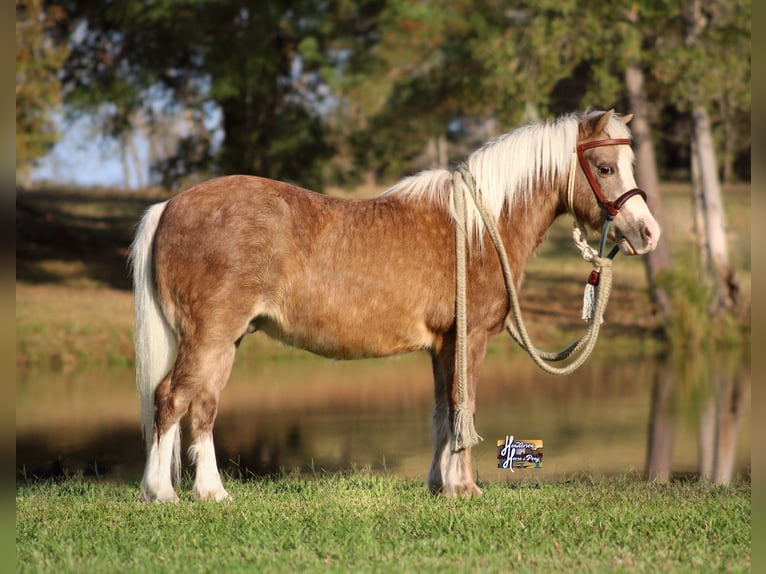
{"points": [[636, 230], [643, 240]]}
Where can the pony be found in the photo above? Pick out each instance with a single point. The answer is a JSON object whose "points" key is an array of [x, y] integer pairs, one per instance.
{"points": [[349, 278]]}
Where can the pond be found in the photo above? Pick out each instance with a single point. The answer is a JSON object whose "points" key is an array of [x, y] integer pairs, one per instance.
{"points": [[297, 412]]}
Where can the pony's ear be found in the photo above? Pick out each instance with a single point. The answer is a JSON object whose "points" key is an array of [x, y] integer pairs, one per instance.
{"points": [[596, 123], [603, 121], [626, 118]]}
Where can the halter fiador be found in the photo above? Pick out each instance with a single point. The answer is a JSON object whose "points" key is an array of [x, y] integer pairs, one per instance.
{"points": [[349, 278]]}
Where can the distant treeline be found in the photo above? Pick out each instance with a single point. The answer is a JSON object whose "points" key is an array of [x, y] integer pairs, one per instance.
{"points": [[336, 91]]}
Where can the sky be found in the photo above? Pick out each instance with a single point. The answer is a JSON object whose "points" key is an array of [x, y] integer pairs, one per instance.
{"points": [[82, 157]]}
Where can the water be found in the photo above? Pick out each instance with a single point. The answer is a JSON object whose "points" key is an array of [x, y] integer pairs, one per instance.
{"points": [[306, 413]]}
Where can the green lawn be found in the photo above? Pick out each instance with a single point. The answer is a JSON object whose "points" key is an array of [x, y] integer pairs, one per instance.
{"points": [[361, 522]]}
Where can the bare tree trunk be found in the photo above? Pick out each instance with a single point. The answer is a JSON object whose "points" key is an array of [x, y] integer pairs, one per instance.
{"points": [[729, 417], [698, 207], [436, 151], [706, 433], [124, 163], [722, 275], [135, 158], [660, 259], [723, 278]]}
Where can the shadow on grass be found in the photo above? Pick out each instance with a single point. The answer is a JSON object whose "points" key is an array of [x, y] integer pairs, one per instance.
{"points": [[63, 235]]}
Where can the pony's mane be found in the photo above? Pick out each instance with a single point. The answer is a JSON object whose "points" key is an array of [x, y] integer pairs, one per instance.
{"points": [[507, 169]]}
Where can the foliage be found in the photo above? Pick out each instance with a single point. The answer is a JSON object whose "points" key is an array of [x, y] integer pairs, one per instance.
{"points": [[701, 57], [310, 89], [694, 327], [39, 55], [419, 66], [195, 53], [442, 63], [362, 522], [716, 67]]}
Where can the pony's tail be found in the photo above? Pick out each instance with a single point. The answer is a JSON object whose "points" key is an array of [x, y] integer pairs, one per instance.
{"points": [[156, 342]]}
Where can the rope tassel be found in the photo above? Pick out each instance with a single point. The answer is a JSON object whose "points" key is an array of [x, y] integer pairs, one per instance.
{"points": [[589, 297], [465, 435]]}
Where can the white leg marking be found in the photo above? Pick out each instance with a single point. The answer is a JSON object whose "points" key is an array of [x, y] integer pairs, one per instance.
{"points": [[156, 484], [207, 482], [455, 472]]}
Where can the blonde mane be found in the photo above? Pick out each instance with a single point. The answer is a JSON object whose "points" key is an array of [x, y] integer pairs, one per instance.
{"points": [[507, 169]]}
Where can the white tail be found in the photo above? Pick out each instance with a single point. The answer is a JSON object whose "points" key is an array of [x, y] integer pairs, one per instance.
{"points": [[155, 341]]}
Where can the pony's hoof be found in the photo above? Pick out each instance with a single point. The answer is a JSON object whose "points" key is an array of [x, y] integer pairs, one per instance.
{"points": [[150, 496], [461, 491], [216, 495]]}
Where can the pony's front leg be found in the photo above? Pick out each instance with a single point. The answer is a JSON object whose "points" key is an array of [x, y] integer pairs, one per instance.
{"points": [[451, 473]]}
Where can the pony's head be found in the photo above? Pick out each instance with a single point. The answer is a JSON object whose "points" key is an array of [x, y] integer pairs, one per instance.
{"points": [[604, 185]]}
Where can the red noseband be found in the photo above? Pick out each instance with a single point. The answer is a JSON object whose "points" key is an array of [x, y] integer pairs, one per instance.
{"points": [[611, 208]]}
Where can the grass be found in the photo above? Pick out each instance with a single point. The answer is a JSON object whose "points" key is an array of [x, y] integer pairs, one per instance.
{"points": [[364, 523]]}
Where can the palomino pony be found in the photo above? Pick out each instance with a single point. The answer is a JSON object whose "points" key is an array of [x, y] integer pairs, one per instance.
{"points": [[349, 278]]}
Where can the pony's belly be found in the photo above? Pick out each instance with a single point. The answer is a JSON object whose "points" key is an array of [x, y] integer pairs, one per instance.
{"points": [[337, 339]]}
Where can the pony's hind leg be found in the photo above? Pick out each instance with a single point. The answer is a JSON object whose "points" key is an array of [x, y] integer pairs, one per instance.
{"points": [[194, 383], [157, 484], [202, 411], [451, 473]]}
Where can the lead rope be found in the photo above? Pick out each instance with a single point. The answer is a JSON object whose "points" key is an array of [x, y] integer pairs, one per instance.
{"points": [[465, 435], [464, 432]]}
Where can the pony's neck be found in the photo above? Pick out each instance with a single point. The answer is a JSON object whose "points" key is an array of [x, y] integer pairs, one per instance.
{"points": [[515, 168], [526, 226]]}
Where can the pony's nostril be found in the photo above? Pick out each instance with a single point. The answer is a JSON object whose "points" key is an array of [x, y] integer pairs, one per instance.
{"points": [[650, 233], [647, 233]]}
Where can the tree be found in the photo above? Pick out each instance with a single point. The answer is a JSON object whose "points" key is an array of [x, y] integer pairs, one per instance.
{"points": [[39, 55], [239, 58], [414, 75], [707, 38]]}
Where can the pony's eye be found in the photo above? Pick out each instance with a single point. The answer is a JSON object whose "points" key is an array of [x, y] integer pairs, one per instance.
{"points": [[605, 170]]}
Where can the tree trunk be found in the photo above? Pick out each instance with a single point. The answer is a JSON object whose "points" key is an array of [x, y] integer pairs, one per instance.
{"points": [[719, 268], [719, 271], [660, 259], [436, 152], [441, 151], [698, 207]]}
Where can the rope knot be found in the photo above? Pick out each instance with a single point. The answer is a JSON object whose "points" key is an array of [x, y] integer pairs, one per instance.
{"points": [[589, 295], [580, 237]]}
